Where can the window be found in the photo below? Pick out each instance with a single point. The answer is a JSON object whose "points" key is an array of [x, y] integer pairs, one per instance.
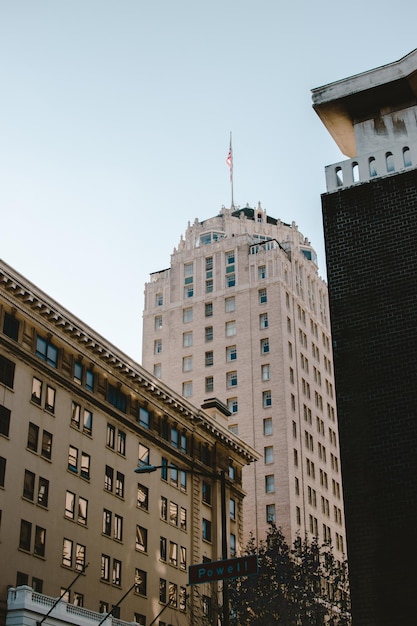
{"points": [[206, 492], [40, 540], [268, 454], [75, 415], [108, 478], [208, 333], [67, 550], [157, 346], [230, 304], [6, 372], [231, 353], [46, 450], [269, 483], [2, 470], [50, 399], [117, 573], [158, 322], [187, 389], [232, 508], [209, 384], [85, 465], [140, 580], [11, 326], [187, 315], [162, 591], [266, 399], [163, 548], [206, 530], [173, 594], [69, 505], [270, 513], [43, 491], [78, 599], [120, 484], [111, 436], [262, 272], [33, 437], [232, 544], [173, 513], [121, 442], [29, 485], [82, 511], [142, 497], [231, 328], [188, 291], [89, 380], [267, 426], [105, 568], [141, 539], [47, 351], [118, 527], [263, 321], [232, 405], [106, 527], [36, 390], [183, 518], [209, 284], [187, 339], [80, 557], [231, 379], [117, 398], [262, 296], [4, 420], [265, 371], [208, 359], [173, 553], [265, 345], [78, 373], [230, 280], [187, 364], [208, 309], [143, 455], [157, 370], [183, 557], [144, 417]]}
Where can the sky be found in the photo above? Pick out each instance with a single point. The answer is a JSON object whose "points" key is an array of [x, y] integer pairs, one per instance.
{"points": [[115, 117]]}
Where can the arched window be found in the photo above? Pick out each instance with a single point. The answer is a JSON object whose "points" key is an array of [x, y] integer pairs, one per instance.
{"points": [[407, 157], [389, 159], [372, 167], [339, 176], [355, 172]]}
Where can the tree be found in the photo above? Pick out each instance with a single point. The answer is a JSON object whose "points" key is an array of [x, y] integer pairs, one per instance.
{"points": [[301, 586]]}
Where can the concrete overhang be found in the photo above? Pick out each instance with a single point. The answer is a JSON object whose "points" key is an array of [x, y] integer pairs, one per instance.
{"points": [[343, 103]]}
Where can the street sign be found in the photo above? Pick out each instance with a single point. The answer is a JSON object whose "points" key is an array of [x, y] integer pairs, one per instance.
{"points": [[219, 570]]}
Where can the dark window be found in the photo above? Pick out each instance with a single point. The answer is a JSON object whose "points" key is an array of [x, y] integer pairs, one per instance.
{"points": [[33, 437], [2, 470], [140, 580], [46, 451], [4, 420], [29, 485], [25, 535], [40, 539], [46, 351], [108, 478], [11, 326], [37, 585], [162, 590], [22, 579], [89, 380], [143, 417], [206, 492], [120, 484], [43, 491], [117, 398], [78, 373], [106, 530], [206, 530], [6, 371]]}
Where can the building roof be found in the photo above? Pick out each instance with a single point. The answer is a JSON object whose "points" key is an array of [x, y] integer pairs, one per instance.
{"points": [[342, 103], [101, 351]]}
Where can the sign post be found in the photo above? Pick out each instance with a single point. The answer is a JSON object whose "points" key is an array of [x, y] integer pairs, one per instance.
{"points": [[221, 570]]}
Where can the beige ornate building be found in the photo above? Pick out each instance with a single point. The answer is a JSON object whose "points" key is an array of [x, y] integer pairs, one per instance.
{"points": [[242, 314], [76, 418]]}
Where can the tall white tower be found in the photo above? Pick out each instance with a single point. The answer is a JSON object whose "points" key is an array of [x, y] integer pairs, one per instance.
{"points": [[242, 315]]}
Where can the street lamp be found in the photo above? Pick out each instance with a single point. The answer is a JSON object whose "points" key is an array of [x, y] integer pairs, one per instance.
{"points": [[221, 476]]}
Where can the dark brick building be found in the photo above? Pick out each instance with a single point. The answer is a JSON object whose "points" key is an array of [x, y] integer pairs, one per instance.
{"points": [[370, 224]]}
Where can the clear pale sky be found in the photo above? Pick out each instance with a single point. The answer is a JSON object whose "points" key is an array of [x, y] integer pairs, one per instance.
{"points": [[115, 120]]}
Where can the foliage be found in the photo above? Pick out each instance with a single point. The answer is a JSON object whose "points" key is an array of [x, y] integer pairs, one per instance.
{"points": [[301, 586]]}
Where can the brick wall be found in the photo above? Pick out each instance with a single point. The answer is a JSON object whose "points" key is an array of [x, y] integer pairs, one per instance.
{"points": [[371, 247]]}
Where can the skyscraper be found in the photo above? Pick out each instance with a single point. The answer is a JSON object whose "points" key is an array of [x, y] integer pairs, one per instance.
{"points": [[370, 223], [242, 315]]}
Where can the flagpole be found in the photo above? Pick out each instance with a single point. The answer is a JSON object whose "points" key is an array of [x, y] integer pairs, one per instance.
{"points": [[229, 162]]}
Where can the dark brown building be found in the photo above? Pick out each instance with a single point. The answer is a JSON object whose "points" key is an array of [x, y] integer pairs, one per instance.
{"points": [[370, 224]]}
